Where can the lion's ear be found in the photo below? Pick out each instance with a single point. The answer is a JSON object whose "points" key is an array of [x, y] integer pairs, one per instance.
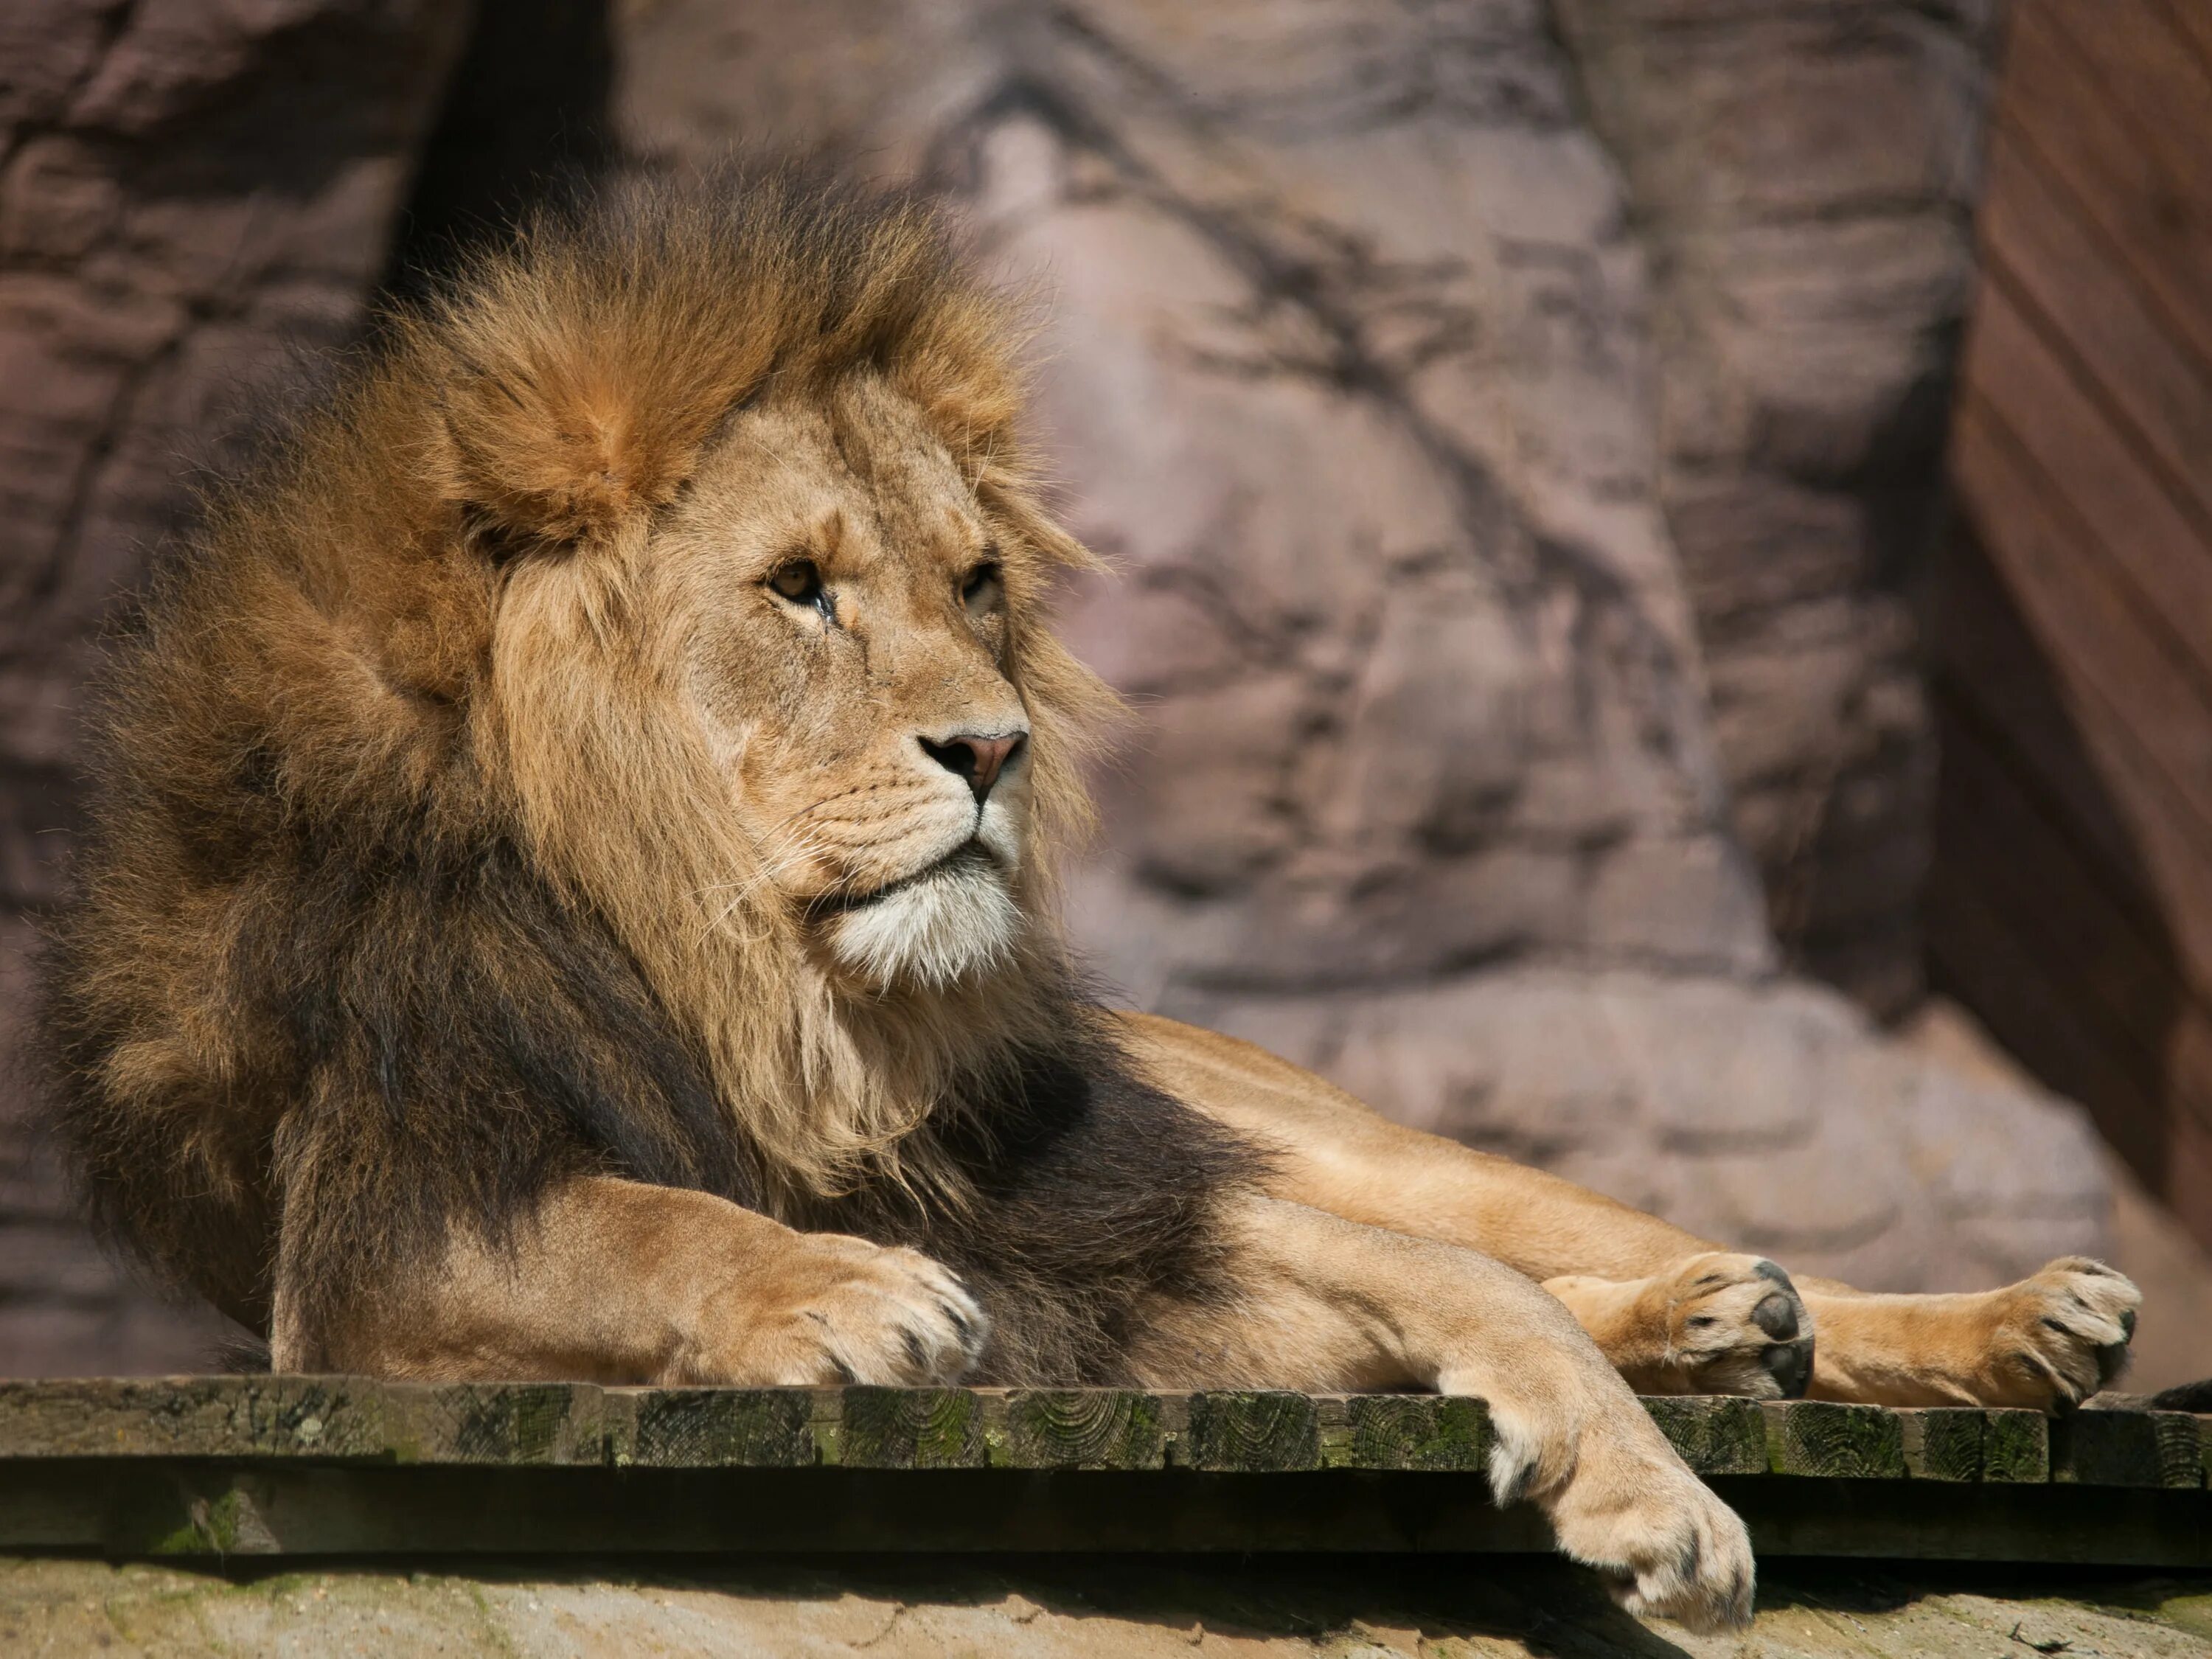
{"points": [[563, 427]]}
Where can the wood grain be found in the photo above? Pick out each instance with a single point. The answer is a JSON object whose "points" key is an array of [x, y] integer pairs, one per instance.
{"points": [[1253, 1432], [1849, 1443], [2115, 107], [911, 1429], [2039, 245], [1084, 1429]]}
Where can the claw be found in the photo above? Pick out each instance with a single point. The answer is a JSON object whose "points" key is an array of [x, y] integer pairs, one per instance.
{"points": [[1790, 1365], [2111, 1360]]}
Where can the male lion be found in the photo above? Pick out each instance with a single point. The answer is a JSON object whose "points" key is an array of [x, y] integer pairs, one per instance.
{"points": [[565, 897]]}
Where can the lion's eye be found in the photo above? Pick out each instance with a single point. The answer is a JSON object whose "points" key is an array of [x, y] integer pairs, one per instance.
{"points": [[980, 588], [800, 581]]}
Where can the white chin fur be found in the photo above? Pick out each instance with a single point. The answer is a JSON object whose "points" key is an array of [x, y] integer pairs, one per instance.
{"points": [[960, 921]]}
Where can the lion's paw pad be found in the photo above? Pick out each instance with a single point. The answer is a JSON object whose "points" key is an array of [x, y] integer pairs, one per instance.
{"points": [[1736, 1325]]}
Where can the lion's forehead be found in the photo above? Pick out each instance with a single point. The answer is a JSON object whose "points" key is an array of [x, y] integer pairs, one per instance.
{"points": [[868, 495]]}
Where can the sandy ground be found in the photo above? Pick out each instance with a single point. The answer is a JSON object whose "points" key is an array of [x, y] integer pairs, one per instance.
{"points": [[1497, 1608]]}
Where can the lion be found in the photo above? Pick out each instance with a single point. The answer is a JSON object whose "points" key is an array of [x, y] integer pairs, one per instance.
{"points": [[569, 894]]}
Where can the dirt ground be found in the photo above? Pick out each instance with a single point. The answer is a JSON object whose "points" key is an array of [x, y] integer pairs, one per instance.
{"points": [[1499, 1607]]}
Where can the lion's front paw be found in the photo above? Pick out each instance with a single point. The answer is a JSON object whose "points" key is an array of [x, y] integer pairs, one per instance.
{"points": [[1714, 1323], [840, 1309], [2059, 1336], [1735, 1325], [1665, 1545]]}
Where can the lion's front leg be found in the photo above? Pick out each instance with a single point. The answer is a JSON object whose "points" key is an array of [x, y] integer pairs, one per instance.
{"points": [[617, 1281], [1311, 1301], [2045, 1344], [1719, 1323]]}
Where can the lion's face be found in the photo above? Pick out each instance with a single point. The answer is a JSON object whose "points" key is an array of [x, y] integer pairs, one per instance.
{"points": [[845, 611]]}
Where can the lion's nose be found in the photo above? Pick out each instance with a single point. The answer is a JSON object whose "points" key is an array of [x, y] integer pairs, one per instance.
{"points": [[976, 758]]}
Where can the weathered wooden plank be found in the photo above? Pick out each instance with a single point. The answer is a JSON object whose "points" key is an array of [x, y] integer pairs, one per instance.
{"points": [[1082, 1429], [1955, 1444], [2044, 1022], [1850, 1443], [2113, 104], [2026, 857], [2110, 960], [2025, 645], [2016, 1448], [1253, 1431], [910, 1429], [706, 1428], [2127, 1448], [194, 1417], [1715, 1435], [2138, 524], [2037, 247], [1992, 667], [1942, 1443], [2034, 659], [342, 1422], [507, 1422], [1432, 1432], [2052, 567], [295, 1507], [2192, 23], [2187, 1187]]}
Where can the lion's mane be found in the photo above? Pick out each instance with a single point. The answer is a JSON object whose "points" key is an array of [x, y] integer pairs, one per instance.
{"points": [[397, 902]]}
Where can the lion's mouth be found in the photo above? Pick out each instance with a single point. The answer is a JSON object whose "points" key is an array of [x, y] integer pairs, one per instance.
{"points": [[970, 854]]}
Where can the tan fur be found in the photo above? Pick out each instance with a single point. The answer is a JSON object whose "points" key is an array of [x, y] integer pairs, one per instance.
{"points": [[1673, 1311]]}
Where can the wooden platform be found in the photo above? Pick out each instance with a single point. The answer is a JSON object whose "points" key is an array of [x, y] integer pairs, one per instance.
{"points": [[327, 1466]]}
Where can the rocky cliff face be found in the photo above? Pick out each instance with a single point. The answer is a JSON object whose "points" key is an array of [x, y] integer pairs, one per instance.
{"points": [[1803, 179], [193, 193], [1514, 426]]}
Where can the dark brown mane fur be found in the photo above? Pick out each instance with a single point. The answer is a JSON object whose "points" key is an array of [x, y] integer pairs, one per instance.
{"points": [[324, 993]]}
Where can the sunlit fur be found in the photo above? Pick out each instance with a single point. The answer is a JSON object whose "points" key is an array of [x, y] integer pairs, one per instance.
{"points": [[469, 808], [936, 930]]}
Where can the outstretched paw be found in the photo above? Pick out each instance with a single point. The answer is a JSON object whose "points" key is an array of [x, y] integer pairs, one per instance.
{"points": [[2060, 1335]]}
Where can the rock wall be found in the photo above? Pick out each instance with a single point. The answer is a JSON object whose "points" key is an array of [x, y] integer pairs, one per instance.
{"points": [[192, 193], [1803, 178]]}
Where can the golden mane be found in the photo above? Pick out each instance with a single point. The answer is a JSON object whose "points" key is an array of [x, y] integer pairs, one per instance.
{"points": [[413, 650], [586, 370]]}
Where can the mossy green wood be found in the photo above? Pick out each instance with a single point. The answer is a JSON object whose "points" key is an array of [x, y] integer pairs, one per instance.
{"points": [[287, 1465], [706, 1428], [1436, 1433], [506, 1423], [1944, 1443], [1852, 1443], [197, 1417], [1081, 1429], [910, 1429], [2127, 1448], [1715, 1434], [337, 1419], [2016, 1447], [1253, 1431]]}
